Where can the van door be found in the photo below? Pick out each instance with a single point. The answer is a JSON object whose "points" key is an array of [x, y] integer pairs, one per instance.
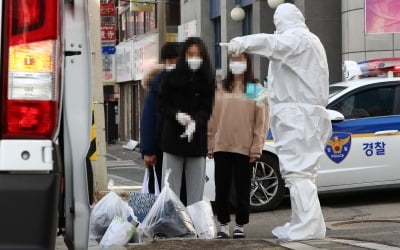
{"points": [[76, 121]]}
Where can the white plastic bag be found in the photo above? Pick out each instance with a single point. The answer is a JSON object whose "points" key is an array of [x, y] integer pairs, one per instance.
{"points": [[118, 233], [202, 216], [145, 183], [167, 218], [104, 211]]}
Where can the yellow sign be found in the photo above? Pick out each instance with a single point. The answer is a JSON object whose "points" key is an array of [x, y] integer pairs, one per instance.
{"points": [[142, 5], [171, 37]]}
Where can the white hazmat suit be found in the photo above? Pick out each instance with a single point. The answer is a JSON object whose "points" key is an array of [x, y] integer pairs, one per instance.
{"points": [[298, 85]]}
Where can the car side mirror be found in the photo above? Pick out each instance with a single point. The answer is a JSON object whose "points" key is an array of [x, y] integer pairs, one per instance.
{"points": [[335, 116]]}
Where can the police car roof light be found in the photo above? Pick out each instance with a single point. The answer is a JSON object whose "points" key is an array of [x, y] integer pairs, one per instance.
{"points": [[380, 67]]}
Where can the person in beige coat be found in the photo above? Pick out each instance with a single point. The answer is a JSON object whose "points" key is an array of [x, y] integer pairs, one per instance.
{"points": [[237, 129]]}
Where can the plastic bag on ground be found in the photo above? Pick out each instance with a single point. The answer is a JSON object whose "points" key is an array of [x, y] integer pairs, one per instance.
{"points": [[141, 203], [202, 216], [104, 211], [118, 233], [167, 218]]}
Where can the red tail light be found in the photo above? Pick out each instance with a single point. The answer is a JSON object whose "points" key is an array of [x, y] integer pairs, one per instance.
{"points": [[30, 93]]}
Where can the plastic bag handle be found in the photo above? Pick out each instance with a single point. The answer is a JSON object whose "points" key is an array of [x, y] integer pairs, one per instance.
{"points": [[156, 184], [167, 173]]}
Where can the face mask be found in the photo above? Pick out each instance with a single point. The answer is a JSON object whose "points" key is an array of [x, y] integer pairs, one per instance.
{"points": [[237, 68], [194, 63], [169, 67]]}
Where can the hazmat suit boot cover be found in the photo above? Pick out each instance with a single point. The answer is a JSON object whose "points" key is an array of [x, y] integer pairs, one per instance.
{"points": [[307, 221], [301, 135]]}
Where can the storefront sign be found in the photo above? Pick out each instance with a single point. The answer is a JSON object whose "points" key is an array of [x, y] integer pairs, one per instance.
{"points": [[124, 61], [107, 9], [142, 6], [145, 55], [108, 53], [108, 50], [187, 30], [136, 57], [108, 26], [108, 33]]}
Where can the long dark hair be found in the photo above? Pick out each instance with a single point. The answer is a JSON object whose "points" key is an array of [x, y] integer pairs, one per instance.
{"points": [[228, 84], [205, 68]]}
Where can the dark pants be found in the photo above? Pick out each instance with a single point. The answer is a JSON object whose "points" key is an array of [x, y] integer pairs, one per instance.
{"points": [[226, 165]]}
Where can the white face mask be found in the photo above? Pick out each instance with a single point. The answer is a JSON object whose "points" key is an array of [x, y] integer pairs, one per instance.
{"points": [[238, 68], [194, 63], [170, 67]]}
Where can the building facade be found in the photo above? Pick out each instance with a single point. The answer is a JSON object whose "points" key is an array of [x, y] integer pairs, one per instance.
{"points": [[356, 43], [339, 24], [143, 27], [214, 24]]}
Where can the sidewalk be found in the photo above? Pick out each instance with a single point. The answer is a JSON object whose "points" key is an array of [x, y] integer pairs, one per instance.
{"points": [[270, 244], [119, 157], [117, 152]]}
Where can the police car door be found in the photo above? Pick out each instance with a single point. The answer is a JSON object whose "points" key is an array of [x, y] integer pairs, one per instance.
{"points": [[363, 149]]}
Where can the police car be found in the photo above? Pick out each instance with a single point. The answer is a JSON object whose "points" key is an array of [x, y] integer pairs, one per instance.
{"points": [[362, 152]]}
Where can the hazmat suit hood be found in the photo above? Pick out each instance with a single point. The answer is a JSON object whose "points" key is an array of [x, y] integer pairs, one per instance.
{"points": [[287, 16]]}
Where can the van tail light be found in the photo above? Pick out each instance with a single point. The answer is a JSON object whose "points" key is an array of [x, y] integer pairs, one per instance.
{"points": [[31, 69]]}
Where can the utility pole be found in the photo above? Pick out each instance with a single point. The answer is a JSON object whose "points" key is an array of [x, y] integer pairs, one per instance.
{"points": [[161, 22], [99, 165]]}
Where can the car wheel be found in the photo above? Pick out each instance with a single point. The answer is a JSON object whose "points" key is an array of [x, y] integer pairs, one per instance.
{"points": [[267, 186]]}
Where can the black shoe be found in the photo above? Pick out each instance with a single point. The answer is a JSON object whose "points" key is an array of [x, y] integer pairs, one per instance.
{"points": [[222, 235], [237, 234]]}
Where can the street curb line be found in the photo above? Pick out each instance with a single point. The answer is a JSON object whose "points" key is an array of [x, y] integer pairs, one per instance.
{"points": [[293, 245], [369, 245]]}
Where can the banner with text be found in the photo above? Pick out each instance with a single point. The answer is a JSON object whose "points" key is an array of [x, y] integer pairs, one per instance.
{"points": [[108, 53]]}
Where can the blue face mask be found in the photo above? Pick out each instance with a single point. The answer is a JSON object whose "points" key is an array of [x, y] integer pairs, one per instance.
{"points": [[253, 90]]}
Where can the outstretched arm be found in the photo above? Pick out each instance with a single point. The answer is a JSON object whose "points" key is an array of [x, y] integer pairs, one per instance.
{"points": [[273, 46]]}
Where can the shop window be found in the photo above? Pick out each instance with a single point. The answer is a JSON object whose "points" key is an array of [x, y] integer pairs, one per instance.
{"points": [[173, 13]]}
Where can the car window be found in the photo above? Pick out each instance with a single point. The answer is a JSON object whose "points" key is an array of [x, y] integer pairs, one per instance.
{"points": [[368, 103], [333, 90]]}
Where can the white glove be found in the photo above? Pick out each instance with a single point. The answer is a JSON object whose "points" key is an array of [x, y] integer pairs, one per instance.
{"points": [[235, 48], [190, 129], [262, 98], [183, 118]]}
